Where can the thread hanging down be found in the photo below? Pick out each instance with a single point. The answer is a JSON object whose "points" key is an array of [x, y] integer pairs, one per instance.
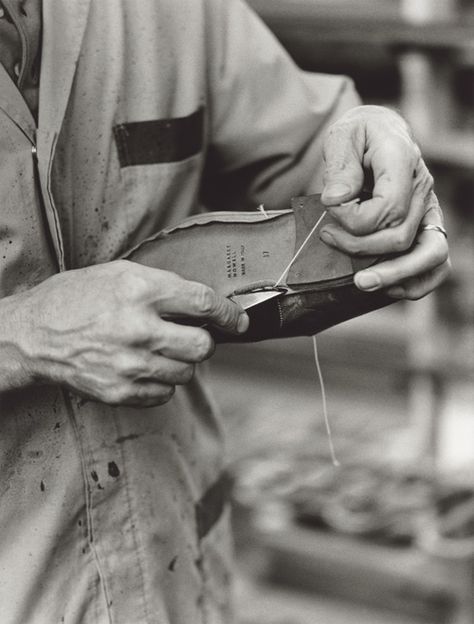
{"points": [[300, 249], [334, 459]]}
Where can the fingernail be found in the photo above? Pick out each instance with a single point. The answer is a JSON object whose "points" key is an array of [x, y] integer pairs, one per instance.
{"points": [[337, 189], [327, 237], [243, 323], [368, 280]]}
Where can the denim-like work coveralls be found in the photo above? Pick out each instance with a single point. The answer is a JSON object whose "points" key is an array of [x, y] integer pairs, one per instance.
{"points": [[115, 515]]}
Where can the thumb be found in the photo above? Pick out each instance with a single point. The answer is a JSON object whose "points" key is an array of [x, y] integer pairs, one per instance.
{"points": [[343, 152]]}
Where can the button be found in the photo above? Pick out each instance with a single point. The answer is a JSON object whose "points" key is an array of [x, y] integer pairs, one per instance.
{"points": [[2, 12], [17, 69], [34, 150]]}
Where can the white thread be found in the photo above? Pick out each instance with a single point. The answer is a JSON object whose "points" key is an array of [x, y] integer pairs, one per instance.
{"points": [[334, 459], [282, 276], [261, 208]]}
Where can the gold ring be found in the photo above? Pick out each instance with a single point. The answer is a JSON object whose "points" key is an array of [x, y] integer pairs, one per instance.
{"points": [[436, 228]]}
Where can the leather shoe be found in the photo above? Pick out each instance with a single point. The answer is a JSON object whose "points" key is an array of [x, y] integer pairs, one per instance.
{"points": [[248, 257]]}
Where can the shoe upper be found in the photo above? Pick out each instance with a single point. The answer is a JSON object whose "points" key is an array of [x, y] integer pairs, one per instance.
{"points": [[272, 263]]}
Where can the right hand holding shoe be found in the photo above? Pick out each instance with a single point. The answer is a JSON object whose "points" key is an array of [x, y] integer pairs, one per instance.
{"points": [[106, 332]]}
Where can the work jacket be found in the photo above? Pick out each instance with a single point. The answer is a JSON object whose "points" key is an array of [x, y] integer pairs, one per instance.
{"points": [[149, 111]]}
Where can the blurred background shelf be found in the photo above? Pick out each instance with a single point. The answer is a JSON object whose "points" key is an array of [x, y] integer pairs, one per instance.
{"points": [[454, 149], [403, 581], [301, 23], [400, 381]]}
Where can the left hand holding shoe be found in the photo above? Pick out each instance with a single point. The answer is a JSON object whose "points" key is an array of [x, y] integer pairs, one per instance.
{"points": [[377, 141]]}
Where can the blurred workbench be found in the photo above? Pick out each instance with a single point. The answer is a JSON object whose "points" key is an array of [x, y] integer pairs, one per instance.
{"points": [[401, 376]]}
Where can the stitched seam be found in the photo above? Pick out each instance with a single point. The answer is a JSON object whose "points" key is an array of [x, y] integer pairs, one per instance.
{"points": [[137, 543], [52, 206], [280, 313], [88, 499]]}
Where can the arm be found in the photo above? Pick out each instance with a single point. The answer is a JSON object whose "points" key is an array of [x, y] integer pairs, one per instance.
{"points": [[14, 369], [106, 332], [277, 132], [267, 118]]}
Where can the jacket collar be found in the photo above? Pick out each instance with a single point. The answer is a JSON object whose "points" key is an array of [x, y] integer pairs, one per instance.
{"points": [[13, 105], [64, 23]]}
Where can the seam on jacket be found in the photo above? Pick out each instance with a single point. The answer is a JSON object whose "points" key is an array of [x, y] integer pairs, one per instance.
{"points": [[87, 495], [52, 207], [137, 543]]}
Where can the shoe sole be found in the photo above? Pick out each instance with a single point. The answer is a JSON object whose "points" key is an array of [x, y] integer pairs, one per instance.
{"points": [[243, 256]]}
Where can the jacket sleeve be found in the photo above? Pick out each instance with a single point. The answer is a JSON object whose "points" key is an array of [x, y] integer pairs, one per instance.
{"points": [[266, 117]]}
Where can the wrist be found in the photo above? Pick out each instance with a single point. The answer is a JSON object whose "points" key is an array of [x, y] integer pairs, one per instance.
{"points": [[16, 365]]}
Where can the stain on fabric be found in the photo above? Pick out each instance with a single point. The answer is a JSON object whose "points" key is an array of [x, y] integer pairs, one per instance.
{"points": [[113, 470], [94, 475], [35, 454], [172, 564], [132, 436], [42, 486]]}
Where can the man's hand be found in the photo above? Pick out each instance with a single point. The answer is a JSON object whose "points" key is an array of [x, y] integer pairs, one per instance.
{"points": [[106, 331], [376, 142]]}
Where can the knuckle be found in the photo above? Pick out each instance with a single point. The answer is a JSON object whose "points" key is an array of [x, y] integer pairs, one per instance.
{"points": [[354, 246], [129, 285], [203, 298], [352, 220], [116, 395], [128, 366], [415, 294], [186, 374], [164, 394], [392, 212], [130, 330], [402, 240], [400, 147], [203, 346], [153, 395], [337, 136], [356, 228], [338, 128], [441, 254], [424, 182], [171, 283]]}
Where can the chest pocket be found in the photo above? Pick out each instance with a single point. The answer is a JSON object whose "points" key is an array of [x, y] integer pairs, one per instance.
{"points": [[159, 141]]}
